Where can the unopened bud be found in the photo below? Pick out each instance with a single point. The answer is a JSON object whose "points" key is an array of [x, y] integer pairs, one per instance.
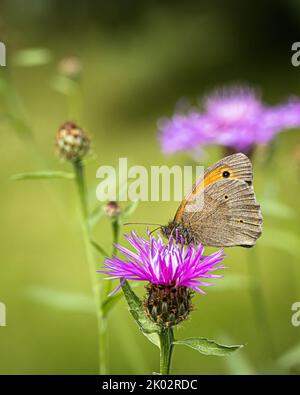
{"points": [[70, 66], [72, 142], [112, 209]]}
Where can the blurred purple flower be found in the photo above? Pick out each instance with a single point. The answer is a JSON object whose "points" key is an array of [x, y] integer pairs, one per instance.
{"points": [[183, 132], [165, 264], [283, 116], [234, 117]]}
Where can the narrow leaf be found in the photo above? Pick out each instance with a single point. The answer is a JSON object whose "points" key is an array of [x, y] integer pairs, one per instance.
{"points": [[149, 329], [110, 302], [99, 248], [233, 282], [239, 362], [130, 209], [277, 209], [19, 124], [290, 358], [64, 85], [271, 203], [32, 57], [208, 347], [40, 175], [95, 215], [62, 300], [281, 239]]}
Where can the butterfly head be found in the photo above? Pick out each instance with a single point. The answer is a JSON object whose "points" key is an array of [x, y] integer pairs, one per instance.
{"points": [[168, 230], [178, 231]]}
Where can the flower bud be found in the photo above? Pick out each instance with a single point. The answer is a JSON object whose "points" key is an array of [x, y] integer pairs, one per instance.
{"points": [[72, 142], [70, 66], [112, 209], [167, 305]]}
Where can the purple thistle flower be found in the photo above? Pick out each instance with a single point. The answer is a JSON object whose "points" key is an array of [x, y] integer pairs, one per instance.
{"points": [[283, 116], [234, 117], [183, 131], [170, 265], [233, 106]]}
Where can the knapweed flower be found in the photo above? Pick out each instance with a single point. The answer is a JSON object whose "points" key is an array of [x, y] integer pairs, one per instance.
{"points": [[184, 132], [233, 117], [283, 116], [72, 142], [173, 272]]}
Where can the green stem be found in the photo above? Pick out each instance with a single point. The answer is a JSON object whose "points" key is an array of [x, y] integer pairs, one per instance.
{"points": [[258, 304], [116, 231], [166, 350], [101, 321], [74, 101]]}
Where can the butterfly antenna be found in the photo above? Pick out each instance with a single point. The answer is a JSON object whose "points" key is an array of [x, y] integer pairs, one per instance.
{"points": [[142, 223], [154, 230]]}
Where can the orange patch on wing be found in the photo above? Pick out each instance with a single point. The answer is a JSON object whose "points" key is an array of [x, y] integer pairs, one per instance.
{"points": [[216, 175]]}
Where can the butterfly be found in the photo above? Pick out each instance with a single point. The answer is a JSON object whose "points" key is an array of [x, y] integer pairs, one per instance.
{"points": [[221, 210]]}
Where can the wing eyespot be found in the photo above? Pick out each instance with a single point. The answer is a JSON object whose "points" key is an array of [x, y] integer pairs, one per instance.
{"points": [[226, 174], [226, 197]]}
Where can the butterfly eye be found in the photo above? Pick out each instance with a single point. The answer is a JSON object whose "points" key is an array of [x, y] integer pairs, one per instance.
{"points": [[225, 174]]}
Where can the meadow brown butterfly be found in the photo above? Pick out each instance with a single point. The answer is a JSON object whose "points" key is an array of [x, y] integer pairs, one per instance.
{"points": [[228, 215]]}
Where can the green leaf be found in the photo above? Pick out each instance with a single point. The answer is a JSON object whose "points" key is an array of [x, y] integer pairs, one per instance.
{"points": [[232, 282], [64, 85], [19, 124], [277, 209], [239, 362], [110, 302], [62, 300], [281, 239], [149, 328], [99, 248], [32, 57], [290, 358], [127, 212], [40, 175], [130, 209], [95, 215], [208, 347]]}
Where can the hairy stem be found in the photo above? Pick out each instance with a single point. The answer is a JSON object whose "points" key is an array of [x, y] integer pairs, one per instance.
{"points": [[101, 321], [166, 350], [116, 231]]}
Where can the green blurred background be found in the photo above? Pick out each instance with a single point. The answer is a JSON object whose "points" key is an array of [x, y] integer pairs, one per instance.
{"points": [[138, 59]]}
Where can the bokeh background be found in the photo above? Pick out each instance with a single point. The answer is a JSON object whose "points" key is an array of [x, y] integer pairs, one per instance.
{"points": [[138, 59]]}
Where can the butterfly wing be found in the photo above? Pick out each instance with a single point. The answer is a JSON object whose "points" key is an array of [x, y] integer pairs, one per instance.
{"points": [[229, 215], [238, 167], [233, 167]]}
